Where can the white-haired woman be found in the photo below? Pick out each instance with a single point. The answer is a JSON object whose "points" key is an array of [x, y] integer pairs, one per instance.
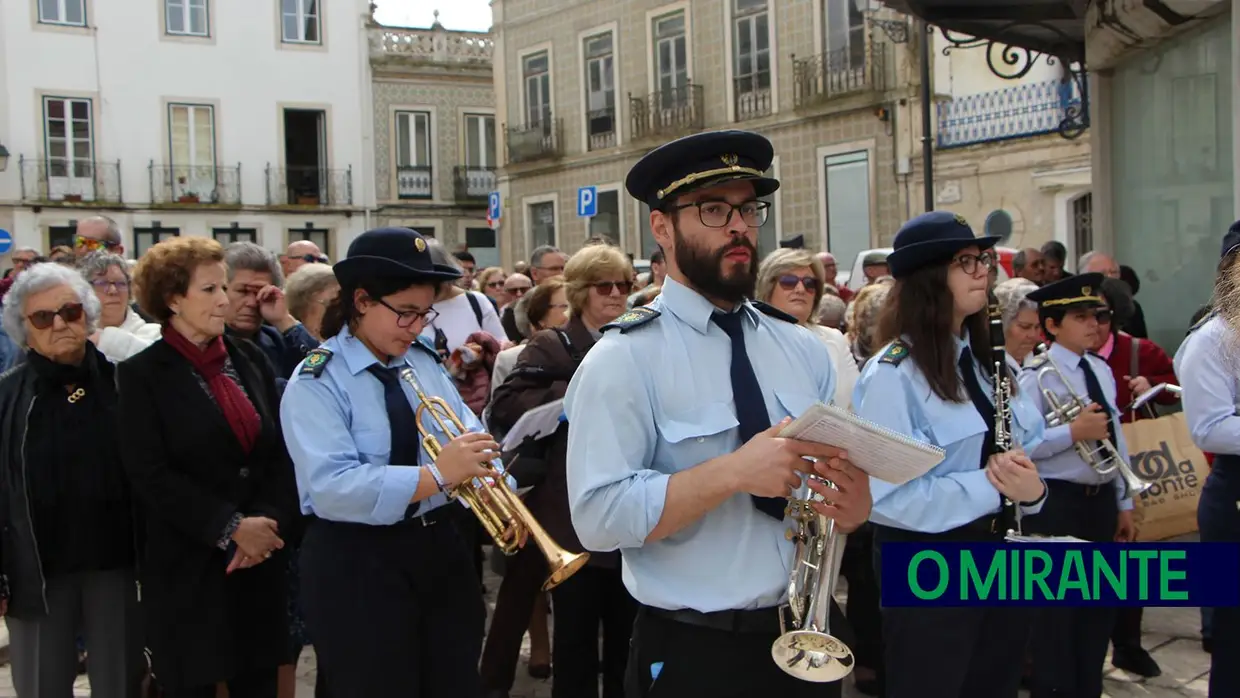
{"points": [[1021, 329], [63, 476], [792, 280], [122, 332]]}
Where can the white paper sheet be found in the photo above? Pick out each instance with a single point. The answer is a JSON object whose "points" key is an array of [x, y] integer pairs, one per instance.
{"points": [[880, 453], [539, 423], [1014, 538]]}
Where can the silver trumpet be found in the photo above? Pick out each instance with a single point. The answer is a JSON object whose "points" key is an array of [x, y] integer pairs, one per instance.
{"points": [[1102, 455], [809, 651]]}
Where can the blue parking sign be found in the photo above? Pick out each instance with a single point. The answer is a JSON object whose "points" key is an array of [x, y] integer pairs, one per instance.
{"points": [[493, 203], [587, 201]]}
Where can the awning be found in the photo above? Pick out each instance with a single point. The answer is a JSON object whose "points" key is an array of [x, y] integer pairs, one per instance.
{"points": [[1052, 27]]}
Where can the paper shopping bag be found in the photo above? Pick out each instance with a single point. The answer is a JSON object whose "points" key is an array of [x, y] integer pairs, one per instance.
{"points": [[1162, 452]]}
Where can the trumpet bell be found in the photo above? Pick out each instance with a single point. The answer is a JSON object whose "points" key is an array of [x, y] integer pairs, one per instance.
{"points": [[563, 565], [812, 656]]}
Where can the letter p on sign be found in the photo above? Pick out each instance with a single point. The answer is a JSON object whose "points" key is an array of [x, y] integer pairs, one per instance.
{"points": [[587, 201]]}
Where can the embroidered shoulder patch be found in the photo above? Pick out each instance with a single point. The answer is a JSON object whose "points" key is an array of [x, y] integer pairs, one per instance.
{"points": [[896, 353], [633, 318], [315, 362], [425, 345], [768, 309]]}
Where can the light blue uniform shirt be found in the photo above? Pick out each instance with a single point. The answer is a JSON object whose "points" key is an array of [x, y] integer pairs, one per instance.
{"points": [[337, 431], [657, 399], [956, 491], [1055, 456], [1208, 366]]}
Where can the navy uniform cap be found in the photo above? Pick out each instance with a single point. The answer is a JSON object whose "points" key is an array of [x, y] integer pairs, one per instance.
{"points": [[1232, 239], [932, 238], [1078, 291], [699, 161], [398, 253]]}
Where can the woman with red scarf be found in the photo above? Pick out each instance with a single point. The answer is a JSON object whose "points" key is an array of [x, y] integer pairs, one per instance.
{"points": [[201, 442]]}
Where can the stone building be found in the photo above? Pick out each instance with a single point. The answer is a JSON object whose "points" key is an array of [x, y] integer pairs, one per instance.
{"points": [[434, 134]]}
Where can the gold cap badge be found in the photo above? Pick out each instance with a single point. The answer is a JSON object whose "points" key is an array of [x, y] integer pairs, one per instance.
{"points": [[1087, 291], [419, 244], [960, 219], [730, 159]]}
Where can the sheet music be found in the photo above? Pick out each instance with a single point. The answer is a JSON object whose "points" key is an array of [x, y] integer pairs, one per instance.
{"points": [[538, 423], [1014, 538], [878, 451]]}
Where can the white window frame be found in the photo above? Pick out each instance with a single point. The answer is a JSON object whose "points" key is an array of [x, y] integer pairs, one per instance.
{"points": [[549, 108], [69, 159], [820, 24], [824, 152], [187, 7], [432, 160], [583, 64], [653, 17], [528, 201], [411, 157], [60, 20], [622, 232], [192, 117], [468, 114], [302, 16], [729, 65]]}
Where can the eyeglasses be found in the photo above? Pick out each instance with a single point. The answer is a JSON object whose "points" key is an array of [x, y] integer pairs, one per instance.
{"points": [[43, 319], [605, 288], [495, 284], [520, 290], [406, 318], [968, 262], [108, 286], [718, 214], [789, 281], [92, 244]]}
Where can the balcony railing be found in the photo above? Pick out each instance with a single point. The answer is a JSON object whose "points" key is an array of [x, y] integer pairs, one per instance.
{"points": [[535, 141], [845, 71], [474, 183], [667, 112], [751, 96], [309, 186], [436, 45], [601, 128], [195, 184], [1020, 111], [70, 181], [414, 182]]}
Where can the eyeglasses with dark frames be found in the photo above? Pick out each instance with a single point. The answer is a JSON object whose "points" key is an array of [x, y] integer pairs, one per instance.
{"points": [[718, 214], [406, 318], [968, 262], [605, 287]]}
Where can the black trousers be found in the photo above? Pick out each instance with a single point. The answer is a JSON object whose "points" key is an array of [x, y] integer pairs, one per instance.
{"points": [[670, 659], [393, 610], [967, 652], [594, 596], [1069, 644], [1126, 632], [253, 684], [862, 608], [1218, 519], [524, 575]]}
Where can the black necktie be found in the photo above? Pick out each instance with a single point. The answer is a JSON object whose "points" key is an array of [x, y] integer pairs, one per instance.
{"points": [[1094, 389], [747, 394], [402, 421]]}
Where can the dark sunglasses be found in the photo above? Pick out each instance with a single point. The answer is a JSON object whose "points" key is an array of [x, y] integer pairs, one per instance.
{"points": [[43, 319], [605, 287], [789, 281]]}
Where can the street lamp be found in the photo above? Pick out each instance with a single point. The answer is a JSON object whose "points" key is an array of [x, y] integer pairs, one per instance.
{"points": [[4, 158]]}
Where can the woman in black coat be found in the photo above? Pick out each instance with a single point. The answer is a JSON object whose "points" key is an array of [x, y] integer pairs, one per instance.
{"points": [[202, 445]]}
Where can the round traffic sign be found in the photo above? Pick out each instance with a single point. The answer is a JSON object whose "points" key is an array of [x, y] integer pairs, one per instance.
{"points": [[6, 241]]}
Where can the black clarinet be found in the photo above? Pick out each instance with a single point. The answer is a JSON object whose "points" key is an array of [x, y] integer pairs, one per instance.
{"points": [[1009, 514]]}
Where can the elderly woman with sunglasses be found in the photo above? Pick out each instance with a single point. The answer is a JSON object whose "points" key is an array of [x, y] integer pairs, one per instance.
{"points": [[122, 332], [792, 281], [63, 477]]}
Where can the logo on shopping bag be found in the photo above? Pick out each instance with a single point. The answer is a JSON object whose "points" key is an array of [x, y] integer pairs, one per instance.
{"points": [[1170, 477]]}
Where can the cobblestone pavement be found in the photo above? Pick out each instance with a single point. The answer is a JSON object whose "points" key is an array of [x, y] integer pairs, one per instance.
{"points": [[1172, 635]]}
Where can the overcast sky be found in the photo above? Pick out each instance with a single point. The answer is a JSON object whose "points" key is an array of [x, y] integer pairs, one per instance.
{"points": [[467, 15]]}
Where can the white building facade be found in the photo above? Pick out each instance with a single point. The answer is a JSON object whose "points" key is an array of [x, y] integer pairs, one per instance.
{"points": [[239, 121]]}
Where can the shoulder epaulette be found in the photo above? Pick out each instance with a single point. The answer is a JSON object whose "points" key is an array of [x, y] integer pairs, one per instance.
{"points": [[768, 309], [315, 362], [897, 352], [633, 318], [425, 345], [1202, 322]]}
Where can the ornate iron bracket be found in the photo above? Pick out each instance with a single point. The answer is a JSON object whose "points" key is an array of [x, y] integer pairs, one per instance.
{"points": [[895, 29], [1014, 62]]}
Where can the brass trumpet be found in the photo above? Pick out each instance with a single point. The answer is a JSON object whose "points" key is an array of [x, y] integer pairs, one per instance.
{"points": [[1102, 456], [809, 651], [501, 511]]}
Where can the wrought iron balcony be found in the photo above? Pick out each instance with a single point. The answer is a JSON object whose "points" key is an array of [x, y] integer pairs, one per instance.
{"points": [[414, 182], [195, 184], [751, 96], [1020, 111], [667, 112], [601, 128], [535, 141], [309, 186], [474, 183], [834, 74], [60, 180]]}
